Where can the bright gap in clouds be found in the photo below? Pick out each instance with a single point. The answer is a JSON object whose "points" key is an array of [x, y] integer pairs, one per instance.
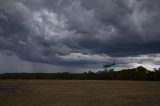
{"points": [[13, 64]]}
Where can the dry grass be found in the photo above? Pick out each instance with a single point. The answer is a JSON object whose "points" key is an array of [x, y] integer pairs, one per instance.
{"points": [[79, 93]]}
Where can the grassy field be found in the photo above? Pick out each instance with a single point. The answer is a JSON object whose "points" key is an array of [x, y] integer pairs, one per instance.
{"points": [[79, 93]]}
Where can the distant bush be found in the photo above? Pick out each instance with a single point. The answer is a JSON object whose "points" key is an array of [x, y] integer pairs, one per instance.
{"points": [[139, 73]]}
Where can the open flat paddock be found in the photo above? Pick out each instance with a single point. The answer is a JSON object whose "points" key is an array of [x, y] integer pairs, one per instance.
{"points": [[79, 93]]}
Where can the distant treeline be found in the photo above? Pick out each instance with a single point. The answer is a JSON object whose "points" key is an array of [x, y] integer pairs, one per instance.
{"points": [[139, 73]]}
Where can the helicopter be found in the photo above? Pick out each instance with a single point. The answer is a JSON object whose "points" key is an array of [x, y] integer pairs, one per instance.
{"points": [[109, 65]]}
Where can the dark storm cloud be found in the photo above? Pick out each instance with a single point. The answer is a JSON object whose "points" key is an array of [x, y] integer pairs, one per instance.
{"points": [[79, 32]]}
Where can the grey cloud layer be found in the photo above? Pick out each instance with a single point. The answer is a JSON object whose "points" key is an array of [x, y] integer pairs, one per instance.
{"points": [[79, 32]]}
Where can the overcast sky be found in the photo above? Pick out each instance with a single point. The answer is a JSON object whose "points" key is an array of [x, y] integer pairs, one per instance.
{"points": [[78, 35]]}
